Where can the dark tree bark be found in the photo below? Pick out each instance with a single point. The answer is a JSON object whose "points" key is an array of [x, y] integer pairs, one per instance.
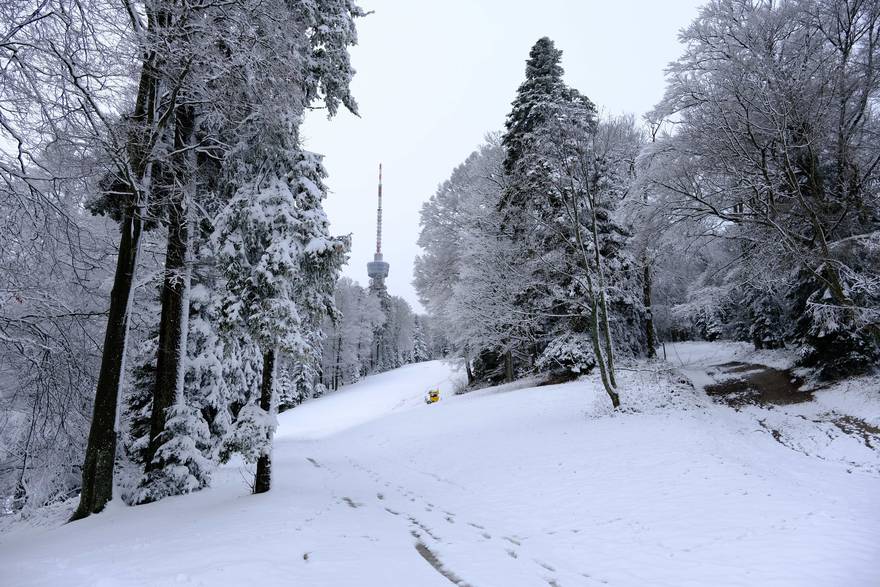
{"points": [[97, 474], [508, 366], [650, 339], [172, 352], [263, 478], [337, 372]]}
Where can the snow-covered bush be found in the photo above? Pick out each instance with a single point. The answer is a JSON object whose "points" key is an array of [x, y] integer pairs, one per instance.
{"points": [[251, 435], [568, 354], [179, 465], [704, 312]]}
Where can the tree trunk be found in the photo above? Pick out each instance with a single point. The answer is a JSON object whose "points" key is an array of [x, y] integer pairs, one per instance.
{"points": [[337, 375], [650, 341], [603, 303], [607, 383], [171, 354], [263, 478], [606, 330], [97, 474], [508, 366], [597, 307], [468, 370]]}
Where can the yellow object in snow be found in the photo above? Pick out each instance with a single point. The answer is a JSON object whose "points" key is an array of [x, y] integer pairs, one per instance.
{"points": [[433, 396]]}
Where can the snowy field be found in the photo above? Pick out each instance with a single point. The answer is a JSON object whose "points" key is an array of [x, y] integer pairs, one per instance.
{"points": [[510, 487]]}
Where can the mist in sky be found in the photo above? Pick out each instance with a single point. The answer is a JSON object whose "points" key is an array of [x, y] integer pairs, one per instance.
{"points": [[435, 77]]}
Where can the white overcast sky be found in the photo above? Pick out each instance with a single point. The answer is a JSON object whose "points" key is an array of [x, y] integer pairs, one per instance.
{"points": [[434, 76]]}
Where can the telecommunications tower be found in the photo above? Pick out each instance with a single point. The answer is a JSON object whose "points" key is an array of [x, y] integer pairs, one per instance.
{"points": [[377, 269]]}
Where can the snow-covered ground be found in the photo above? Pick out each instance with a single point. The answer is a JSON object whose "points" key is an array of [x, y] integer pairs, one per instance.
{"points": [[506, 487]]}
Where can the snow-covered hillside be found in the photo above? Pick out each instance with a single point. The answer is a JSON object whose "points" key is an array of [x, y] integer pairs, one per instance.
{"points": [[508, 486]]}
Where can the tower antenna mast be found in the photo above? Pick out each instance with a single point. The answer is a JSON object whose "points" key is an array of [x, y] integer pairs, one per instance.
{"points": [[377, 269], [379, 216]]}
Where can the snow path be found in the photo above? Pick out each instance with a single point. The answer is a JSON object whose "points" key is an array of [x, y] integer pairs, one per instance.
{"points": [[502, 487]]}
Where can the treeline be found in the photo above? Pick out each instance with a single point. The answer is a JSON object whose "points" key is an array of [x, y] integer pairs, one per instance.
{"points": [[369, 338], [744, 206], [163, 329]]}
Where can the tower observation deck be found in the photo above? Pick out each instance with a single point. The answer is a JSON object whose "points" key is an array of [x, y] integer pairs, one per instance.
{"points": [[377, 269]]}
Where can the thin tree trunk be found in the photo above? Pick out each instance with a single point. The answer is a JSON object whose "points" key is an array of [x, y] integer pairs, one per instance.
{"points": [[171, 353], [650, 340], [600, 360], [263, 478], [20, 495], [603, 303], [337, 376], [605, 364], [508, 366]]}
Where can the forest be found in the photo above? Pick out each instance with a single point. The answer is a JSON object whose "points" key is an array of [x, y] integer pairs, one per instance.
{"points": [[170, 282], [744, 207]]}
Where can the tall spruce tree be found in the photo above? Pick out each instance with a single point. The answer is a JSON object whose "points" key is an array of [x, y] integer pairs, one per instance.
{"points": [[281, 264], [296, 53], [566, 172]]}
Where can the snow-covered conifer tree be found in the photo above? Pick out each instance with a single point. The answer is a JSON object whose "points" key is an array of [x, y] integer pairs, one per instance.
{"points": [[280, 266], [566, 176], [420, 344]]}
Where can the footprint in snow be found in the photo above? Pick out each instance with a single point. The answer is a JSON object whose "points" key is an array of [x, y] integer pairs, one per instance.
{"points": [[512, 540]]}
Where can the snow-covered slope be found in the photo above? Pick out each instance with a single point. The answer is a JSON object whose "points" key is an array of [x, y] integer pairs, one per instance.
{"points": [[502, 487]]}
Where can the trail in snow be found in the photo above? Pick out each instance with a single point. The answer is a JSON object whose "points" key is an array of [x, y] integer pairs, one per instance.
{"points": [[502, 487]]}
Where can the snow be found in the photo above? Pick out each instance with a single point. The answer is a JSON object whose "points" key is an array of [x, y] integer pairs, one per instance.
{"points": [[366, 400], [859, 397], [505, 486]]}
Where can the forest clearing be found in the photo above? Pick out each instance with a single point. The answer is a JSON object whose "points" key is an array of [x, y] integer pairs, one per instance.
{"points": [[480, 292], [512, 485]]}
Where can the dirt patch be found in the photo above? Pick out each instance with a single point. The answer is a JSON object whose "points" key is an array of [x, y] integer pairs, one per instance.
{"points": [[869, 434], [757, 384]]}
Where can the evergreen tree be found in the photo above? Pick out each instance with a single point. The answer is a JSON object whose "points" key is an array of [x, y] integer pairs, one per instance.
{"points": [[532, 109], [567, 175], [280, 265], [295, 54], [420, 344]]}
